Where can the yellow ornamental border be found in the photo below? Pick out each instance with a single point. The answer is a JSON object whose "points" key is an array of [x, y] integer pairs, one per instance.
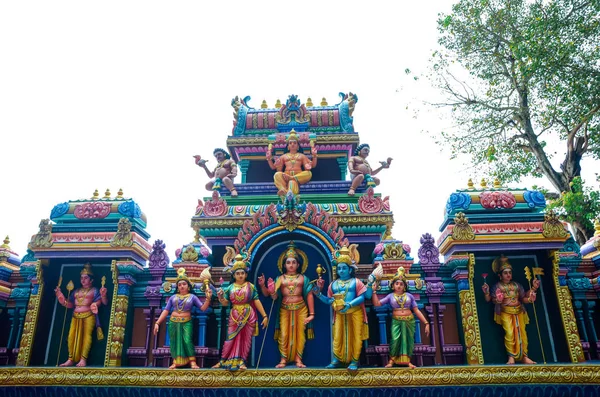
{"points": [[303, 378]]}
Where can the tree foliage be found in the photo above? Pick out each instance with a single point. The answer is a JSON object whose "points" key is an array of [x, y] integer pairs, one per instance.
{"points": [[579, 205], [519, 75]]}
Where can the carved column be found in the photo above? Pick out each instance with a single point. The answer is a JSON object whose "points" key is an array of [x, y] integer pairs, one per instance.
{"points": [[124, 273], [566, 309], [33, 308], [590, 321], [243, 165], [468, 309], [343, 164]]}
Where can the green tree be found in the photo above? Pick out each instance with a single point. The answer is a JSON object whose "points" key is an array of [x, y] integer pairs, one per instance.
{"points": [[518, 76], [579, 205]]}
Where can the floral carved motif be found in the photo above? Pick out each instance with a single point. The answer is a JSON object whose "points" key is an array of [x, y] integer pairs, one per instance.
{"points": [[92, 210], [369, 204], [552, 227], [215, 207], [462, 230], [497, 200]]}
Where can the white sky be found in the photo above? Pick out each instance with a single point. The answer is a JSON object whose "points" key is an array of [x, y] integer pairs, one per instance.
{"points": [[121, 94]]}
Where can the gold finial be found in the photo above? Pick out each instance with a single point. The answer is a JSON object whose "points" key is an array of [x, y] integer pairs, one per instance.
{"points": [[596, 227], [470, 184], [107, 193], [323, 102], [309, 103], [6, 242], [277, 104], [96, 195], [120, 194], [264, 105], [483, 183], [497, 184]]}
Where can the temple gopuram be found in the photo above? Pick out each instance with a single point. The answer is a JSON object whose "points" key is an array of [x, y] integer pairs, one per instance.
{"points": [[294, 284]]}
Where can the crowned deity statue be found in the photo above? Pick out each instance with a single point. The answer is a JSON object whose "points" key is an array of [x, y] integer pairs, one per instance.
{"points": [[85, 302], [403, 306], [347, 296], [180, 324], [297, 305], [293, 168], [225, 171], [509, 298], [360, 169], [243, 320]]}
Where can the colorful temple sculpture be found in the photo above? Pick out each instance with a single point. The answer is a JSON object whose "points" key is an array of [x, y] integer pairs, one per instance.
{"points": [[293, 279]]}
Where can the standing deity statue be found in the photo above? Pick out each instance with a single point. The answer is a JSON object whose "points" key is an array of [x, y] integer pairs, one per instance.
{"points": [[290, 173], [403, 306], [509, 298], [360, 169], [297, 305], [225, 171], [346, 295], [85, 301], [243, 321], [180, 324]]}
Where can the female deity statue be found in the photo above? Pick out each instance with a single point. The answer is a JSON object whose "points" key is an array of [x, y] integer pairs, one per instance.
{"points": [[180, 325], [346, 295], [294, 317], [85, 301], [509, 298], [290, 174], [242, 318], [403, 321]]}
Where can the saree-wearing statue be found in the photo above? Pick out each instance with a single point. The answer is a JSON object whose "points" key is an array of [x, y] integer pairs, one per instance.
{"points": [[180, 325], [346, 295], [402, 341], [85, 302], [243, 321], [509, 298], [297, 306]]}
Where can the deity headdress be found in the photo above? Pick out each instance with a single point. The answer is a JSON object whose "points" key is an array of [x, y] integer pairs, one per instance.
{"points": [[292, 136], [182, 276], [348, 255], [87, 269], [239, 262], [500, 264], [227, 156], [400, 275], [293, 252], [361, 147]]}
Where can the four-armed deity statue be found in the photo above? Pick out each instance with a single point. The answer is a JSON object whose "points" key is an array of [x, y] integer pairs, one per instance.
{"points": [[293, 168]]}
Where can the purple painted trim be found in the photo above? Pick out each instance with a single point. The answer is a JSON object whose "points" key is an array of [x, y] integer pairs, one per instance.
{"points": [[265, 188], [502, 246], [92, 254]]}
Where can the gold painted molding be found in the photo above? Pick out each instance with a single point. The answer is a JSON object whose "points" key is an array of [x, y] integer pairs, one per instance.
{"points": [[302, 378]]}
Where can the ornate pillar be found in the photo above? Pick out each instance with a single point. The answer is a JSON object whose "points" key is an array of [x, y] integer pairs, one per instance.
{"points": [[243, 165], [566, 309], [382, 313], [591, 305], [33, 308], [468, 309], [124, 273], [343, 164]]}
